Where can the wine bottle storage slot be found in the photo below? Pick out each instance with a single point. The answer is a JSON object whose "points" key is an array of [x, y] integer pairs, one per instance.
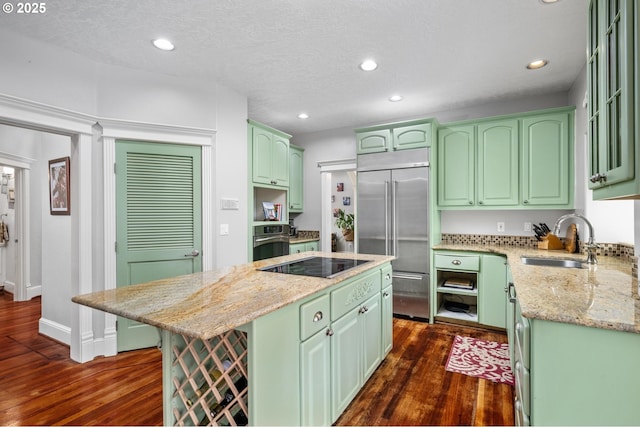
{"points": [[210, 380]]}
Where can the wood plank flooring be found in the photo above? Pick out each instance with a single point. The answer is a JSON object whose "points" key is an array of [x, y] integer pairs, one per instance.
{"points": [[40, 385]]}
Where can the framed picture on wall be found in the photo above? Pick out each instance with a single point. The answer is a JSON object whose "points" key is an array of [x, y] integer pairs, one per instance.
{"points": [[59, 187]]}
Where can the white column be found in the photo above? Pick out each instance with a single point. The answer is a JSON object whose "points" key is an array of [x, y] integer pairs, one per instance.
{"points": [[82, 340]]}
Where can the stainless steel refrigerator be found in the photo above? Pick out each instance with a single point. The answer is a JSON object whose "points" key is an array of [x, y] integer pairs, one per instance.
{"points": [[393, 219]]}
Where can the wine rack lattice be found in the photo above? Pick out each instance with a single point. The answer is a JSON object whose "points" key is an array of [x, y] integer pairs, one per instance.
{"points": [[210, 380]]}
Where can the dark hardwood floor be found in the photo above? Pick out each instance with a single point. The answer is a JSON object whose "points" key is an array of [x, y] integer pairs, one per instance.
{"points": [[41, 385]]}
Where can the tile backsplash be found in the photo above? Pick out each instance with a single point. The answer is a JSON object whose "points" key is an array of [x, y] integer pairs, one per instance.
{"points": [[622, 250]]}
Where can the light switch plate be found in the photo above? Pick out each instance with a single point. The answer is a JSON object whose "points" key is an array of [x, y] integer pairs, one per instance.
{"points": [[224, 229]]}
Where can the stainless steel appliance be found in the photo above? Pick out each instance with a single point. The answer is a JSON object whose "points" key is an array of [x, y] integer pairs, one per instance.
{"points": [[393, 219], [316, 266], [270, 241]]}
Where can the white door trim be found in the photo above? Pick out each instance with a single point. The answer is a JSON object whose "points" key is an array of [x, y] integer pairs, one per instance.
{"points": [[111, 130], [327, 216]]}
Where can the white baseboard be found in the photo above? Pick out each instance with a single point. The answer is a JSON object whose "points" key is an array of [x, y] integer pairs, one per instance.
{"points": [[10, 287], [34, 291], [55, 330]]}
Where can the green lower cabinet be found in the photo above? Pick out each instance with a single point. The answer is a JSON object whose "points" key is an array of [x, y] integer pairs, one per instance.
{"points": [[491, 296], [387, 319], [296, 248], [315, 371], [346, 358], [575, 375]]}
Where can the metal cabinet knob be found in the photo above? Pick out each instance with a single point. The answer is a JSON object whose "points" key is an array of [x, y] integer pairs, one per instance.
{"points": [[318, 316], [194, 253], [470, 202], [385, 294], [388, 276], [456, 262], [599, 177], [329, 332]]}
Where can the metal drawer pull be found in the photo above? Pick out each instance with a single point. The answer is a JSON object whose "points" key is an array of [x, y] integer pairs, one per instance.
{"points": [[456, 262], [329, 332], [318, 316], [385, 294]]}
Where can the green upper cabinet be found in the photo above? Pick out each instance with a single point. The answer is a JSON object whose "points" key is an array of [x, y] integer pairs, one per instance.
{"points": [[614, 99], [509, 162], [270, 154], [456, 166], [547, 160], [498, 163], [392, 137], [296, 179]]}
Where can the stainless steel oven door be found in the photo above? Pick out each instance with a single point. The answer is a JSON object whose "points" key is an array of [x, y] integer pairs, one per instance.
{"points": [[268, 245]]}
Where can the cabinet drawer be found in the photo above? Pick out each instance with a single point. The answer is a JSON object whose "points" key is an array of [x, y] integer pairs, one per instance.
{"points": [[387, 276], [314, 315], [458, 262], [353, 294]]}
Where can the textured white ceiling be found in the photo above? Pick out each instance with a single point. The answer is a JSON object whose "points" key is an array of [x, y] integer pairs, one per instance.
{"points": [[289, 56]]}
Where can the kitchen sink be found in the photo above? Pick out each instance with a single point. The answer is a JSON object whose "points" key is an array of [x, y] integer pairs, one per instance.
{"points": [[552, 262]]}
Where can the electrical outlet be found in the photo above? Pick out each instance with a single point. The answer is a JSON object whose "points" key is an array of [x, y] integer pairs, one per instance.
{"points": [[500, 227], [527, 226]]}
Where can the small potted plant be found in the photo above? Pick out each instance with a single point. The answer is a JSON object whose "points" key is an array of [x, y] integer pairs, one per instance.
{"points": [[345, 222]]}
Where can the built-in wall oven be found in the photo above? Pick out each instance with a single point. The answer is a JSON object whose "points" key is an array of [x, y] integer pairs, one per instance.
{"points": [[270, 241]]}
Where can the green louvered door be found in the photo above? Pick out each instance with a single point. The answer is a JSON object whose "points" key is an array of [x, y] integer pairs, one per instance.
{"points": [[158, 221]]}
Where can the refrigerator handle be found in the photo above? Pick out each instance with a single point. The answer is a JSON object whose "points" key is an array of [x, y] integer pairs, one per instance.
{"points": [[394, 217], [386, 217]]}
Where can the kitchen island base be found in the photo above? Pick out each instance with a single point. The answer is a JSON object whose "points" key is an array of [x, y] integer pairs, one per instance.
{"points": [[266, 372]]}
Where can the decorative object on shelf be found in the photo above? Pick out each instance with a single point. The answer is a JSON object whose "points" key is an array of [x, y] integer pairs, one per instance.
{"points": [[272, 211], [346, 201], [59, 186], [345, 222]]}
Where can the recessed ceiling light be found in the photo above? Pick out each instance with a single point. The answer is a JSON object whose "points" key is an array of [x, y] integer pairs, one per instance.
{"points": [[163, 44], [303, 116], [395, 98], [539, 63], [368, 65]]}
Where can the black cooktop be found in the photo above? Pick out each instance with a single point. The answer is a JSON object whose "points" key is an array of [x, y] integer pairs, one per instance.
{"points": [[315, 266]]}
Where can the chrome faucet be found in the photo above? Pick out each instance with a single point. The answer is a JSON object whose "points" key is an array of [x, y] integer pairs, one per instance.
{"points": [[591, 245]]}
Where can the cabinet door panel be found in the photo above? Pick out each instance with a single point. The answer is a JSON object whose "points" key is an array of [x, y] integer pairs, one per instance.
{"points": [[498, 163], [413, 136], [456, 166], [295, 180], [546, 166], [387, 320], [280, 161], [316, 380], [372, 333], [262, 156], [346, 355], [491, 310], [374, 141]]}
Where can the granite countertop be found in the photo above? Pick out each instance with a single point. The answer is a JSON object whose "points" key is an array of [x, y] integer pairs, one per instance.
{"points": [[203, 305], [601, 296]]}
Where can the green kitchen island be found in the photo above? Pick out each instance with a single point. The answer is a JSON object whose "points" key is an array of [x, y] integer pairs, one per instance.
{"points": [[241, 345]]}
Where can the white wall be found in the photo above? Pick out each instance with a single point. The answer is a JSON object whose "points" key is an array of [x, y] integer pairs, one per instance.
{"points": [[55, 244]]}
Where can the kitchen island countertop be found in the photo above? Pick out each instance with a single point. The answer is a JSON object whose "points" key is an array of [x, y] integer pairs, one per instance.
{"points": [[601, 296], [204, 305]]}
